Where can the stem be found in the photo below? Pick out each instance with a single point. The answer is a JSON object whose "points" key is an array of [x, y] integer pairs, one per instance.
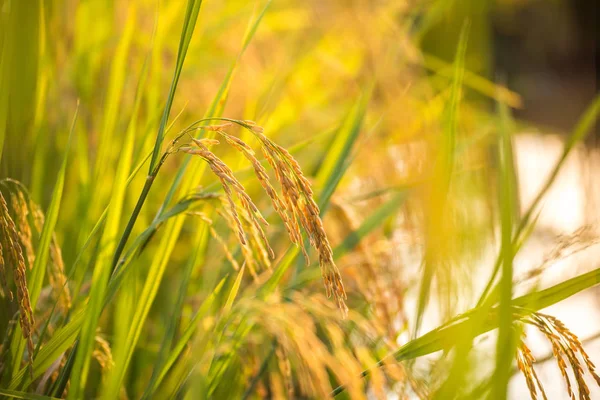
{"points": [[133, 218]]}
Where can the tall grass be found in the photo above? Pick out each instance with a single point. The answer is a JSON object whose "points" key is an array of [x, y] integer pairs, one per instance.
{"points": [[301, 158]]}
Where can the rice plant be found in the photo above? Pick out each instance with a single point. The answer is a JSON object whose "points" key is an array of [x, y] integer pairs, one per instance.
{"points": [[268, 200]]}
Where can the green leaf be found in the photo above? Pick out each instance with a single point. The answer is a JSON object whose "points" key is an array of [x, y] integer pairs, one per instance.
{"points": [[506, 344], [189, 23], [188, 332], [337, 157], [60, 341], [444, 164], [234, 290], [200, 243]]}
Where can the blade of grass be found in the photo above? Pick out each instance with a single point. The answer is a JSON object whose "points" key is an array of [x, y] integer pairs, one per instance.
{"points": [[189, 331], [100, 223], [189, 23], [337, 156], [506, 344], [474, 81], [112, 103], [60, 341], [183, 341], [444, 166], [6, 58], [234, 290]]}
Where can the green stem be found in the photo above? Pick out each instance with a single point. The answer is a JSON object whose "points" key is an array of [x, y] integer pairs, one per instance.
{"points": [[132, 219]]}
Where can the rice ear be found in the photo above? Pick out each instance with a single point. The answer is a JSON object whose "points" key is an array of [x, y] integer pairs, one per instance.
{"points": [[295, 205], [565, 346], [13, 255]]}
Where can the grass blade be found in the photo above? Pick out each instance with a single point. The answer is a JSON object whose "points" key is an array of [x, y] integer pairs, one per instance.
{"points": [[444, 167], [336, 160], [234, 290], [197, 258], [189, 23], [506, 344]]}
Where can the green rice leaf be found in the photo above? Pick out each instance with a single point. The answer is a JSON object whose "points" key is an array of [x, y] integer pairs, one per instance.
{"points": [[445, 162]]}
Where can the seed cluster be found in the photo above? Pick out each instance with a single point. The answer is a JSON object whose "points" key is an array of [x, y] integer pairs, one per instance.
{"points": [[525, 361], [248, 214], [565, 345], [295, 205], [103, 354], [12, 255]]}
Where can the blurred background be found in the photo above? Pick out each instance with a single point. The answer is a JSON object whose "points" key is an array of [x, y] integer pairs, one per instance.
{"points": [[309, 67]]}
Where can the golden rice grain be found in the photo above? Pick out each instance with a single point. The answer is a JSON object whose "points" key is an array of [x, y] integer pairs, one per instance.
{"points": [[5, 289], [299, 202], [57, 276], [21, 211], [525, 362], [103, 354], [565, 345], [13, 255], [295, 205], [285, 367]]}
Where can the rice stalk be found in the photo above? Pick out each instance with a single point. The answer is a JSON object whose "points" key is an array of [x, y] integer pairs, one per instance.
{"points": [[525, 361], [247, 214], [565, 346], [283, 362], [25, 209], [13, 256], [57, 276], [21, 212], [296, 205], [103, 354], [299, 202]]}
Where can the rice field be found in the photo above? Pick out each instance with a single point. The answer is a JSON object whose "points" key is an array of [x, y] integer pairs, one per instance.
{"points": [[288, 200]]}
